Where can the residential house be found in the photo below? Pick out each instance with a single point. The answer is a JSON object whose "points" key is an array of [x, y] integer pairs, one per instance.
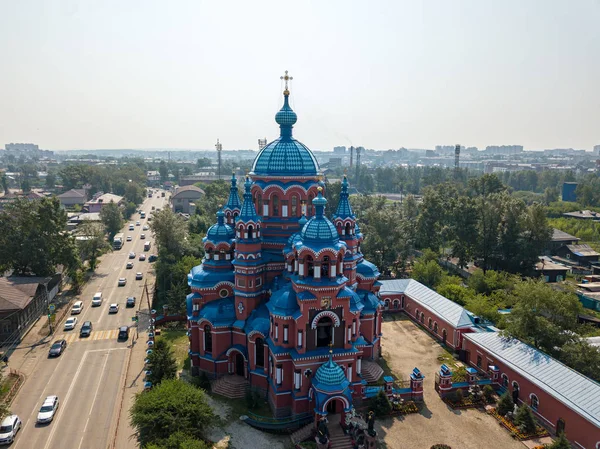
{"points": [[550, 271], [183, 199], [582, 255], [95, 205], [153, 177], [12, 196], [73, 197], [558, 239], [583, 215]]}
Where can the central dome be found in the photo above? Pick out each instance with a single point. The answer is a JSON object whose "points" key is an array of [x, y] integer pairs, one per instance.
{"points": [[330, 374], [285, 156]]}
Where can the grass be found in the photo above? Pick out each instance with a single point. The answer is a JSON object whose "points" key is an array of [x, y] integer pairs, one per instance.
{"points": [[6, 385], [179, 341], [238, 407]]}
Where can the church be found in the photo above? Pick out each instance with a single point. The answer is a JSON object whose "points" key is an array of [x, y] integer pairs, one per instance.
{"points": [[284, 298]]}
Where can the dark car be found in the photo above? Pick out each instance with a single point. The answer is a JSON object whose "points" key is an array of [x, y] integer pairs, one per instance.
{"points": [[86, 329], [152, 258], [130, 302], [123, 333], [57, 348]]}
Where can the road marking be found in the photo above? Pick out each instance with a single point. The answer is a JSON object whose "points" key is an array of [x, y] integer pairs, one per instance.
{"points": [[93, 401], [67, 397], [96, 336]]}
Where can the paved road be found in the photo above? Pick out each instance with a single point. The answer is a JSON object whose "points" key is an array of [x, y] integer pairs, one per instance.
{"points": [[90, 376]]}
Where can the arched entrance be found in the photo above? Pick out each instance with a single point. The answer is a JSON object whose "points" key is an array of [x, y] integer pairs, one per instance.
{"points": [[336, 409], [236, 362]]}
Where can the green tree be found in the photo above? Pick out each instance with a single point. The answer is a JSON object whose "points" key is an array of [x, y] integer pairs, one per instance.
{"points": [[4, 181], [170, 407], [33, 239], [92, 243], [428, 273], [170, 232], [551, 195], [111, 218], [26, 185], [505, 404], [134, 193], [525, 419], [50, 180], [381, 405], [560, 443], [179, 440], [163, 170], [582, 357], [162, 362]]}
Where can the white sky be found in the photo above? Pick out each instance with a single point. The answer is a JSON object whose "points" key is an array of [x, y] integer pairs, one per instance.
{"points": [[180, 74]]}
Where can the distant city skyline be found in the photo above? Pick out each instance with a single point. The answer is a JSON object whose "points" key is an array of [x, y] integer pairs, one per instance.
{"points": [[382, 75]]}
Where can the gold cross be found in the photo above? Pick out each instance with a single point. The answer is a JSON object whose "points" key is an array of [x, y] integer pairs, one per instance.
{"points": [[286, 78]]}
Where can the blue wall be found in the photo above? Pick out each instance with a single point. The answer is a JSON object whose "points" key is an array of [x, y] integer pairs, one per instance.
{"points": [[568, 191]]}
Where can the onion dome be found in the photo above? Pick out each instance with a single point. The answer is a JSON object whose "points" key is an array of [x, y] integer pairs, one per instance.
{"points": [[234, 199], [344, 210], [285, 156], [330, 374], [367, 269], [220, 232], [319, 229], [248, 212], [303, 220]]}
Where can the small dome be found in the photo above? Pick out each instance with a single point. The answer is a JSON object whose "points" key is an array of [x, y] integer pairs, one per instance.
{"points": [[220, 232], [303, 220], [330, 374], [286, 116], [283, 302], [319, 229]]}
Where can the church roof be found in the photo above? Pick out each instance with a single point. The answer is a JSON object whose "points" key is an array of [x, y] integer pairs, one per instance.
{"points": [[285, 156], [234, 198], [283, 301], [258, 321], [319, 228], [344, 210], [367, 269], [330, 374], [220, 312], [199, 277], [220, 232], [248, 212]]}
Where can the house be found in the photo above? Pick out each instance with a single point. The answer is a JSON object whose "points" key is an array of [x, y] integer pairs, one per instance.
{"points": [[560, 238], [73, 197], [12, 196], [96, 204], [582, 255], [22, 301], [153, 177], [583, 215], [183, 199], [550, 270]]}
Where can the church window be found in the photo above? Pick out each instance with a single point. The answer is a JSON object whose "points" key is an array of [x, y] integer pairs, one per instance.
{"points": [[535, 402], [223, 293], [241, 282], [294, 206], [299, 342], [324, 332], [258, 281], [207, 339], [309, 266], [285, 333], [435, 328], [260, 352], [505, 380], [325, 267], [276, 331], [422, 318], [348, 231], [259, 203], [275, 206], [430, 323], [250, 232]]}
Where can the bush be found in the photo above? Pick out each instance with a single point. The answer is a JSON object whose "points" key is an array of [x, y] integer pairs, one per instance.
{"points": [[457, 396], [525, 419], [202, 381], [560, 443], [440, 446], [253, 398], [505, 404], [381, 404], [488, 393]]}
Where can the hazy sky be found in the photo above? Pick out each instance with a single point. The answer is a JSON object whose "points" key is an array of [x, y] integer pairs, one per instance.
{"points": [[180, 74]]}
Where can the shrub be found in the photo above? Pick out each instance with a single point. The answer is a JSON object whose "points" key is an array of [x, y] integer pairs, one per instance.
{"points": [[505, 404], [457, 396], [525, 419], [253, 398], [202, 381], [488, 393], [560, 443], [440, 446], [381, 404]]}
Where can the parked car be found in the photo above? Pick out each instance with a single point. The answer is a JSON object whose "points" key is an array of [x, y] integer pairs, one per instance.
{"points": [[122, 282], [129, 265], [145, 228], [70, 323], [139, 276], [131, 227], [86, 329], [48, 410], [113, 308], [142, 256], [9, 428], [137, 223], [130, 302], [57, 348], [77, 308], [152, 258]]}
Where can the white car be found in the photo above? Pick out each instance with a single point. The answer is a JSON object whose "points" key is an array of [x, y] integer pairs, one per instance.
{"points": [[145, 228], [132, 255], [137, 223], [70, 323], [129, 238], [131, 227], [9, 428], [129, 265], [139, 276], [113, 308], [122, 282], [142, 257], [143, 236], [48, 410]]}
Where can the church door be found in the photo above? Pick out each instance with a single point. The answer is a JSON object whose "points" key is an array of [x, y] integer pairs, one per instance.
{"points": [[239, 364], [331, 407]]}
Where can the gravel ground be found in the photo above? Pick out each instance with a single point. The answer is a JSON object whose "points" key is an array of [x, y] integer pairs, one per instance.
{"points": [[405, 346]]}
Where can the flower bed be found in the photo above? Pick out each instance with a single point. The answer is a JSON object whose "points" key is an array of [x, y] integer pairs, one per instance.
{"points": [[404, 408], [517, 433], [466, 402]]}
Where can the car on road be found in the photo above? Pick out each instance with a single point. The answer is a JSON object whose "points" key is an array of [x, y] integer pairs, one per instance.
{"points": [[129, 265], [131, 227], [9, 428], [86, 329], [48, 410], [145, 228], [122, 282], [132, 255], [137, 223], [70, 323], [130, 302], [142, 236], [129, 238], [142, 257], [57, 348], [97, 299], [123, 333], [152, 258], [113, 308], [77, 308], [139, 276]]}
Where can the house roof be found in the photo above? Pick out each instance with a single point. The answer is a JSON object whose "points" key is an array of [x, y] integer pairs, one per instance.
{"points": [[191, 188], [17, 292], [73, 193], [583, 214], [107, 198], [546, 264], [561, 236], [447, 310], [579, 393], [582, 250]]}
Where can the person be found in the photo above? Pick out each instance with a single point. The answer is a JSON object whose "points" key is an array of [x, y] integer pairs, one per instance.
{"points": [[5, 360]]}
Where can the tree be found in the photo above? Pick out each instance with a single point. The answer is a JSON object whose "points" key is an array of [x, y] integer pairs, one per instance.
{"points": [[162, 362], [163, 171], [525, 419], [93, 242], [77, 280], [25, 185], [583, 357], [505, 404], [179, 440], [381, 404], [4, 181], [50, 180], [111, 218], [134, 193], [33, 239], [560, 443], [170, 407], [170, 231], [428, 273]]}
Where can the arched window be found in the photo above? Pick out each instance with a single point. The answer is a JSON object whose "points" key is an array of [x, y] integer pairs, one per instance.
{"points": [[209, 253], [430, 323], [348, 229], [325, 267], [250, 232], [422, 318], [259, 204], [387, 304], [504, 380], [294, 206], [435, 328], [207, 339], [275, 201], [309, 266], [535, 402], [396, 304], [260, 352], [311, 197], [324, 332]]}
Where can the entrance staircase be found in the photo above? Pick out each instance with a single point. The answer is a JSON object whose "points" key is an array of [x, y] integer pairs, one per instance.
{"points": [[371, 371], [338, 439], [232, 387]]}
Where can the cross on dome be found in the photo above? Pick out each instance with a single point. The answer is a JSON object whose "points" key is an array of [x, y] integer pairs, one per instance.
{"points": [[286, 78]]}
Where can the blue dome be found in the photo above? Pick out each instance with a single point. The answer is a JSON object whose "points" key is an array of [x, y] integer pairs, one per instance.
{"points": [[319, 229], [283, 302], [285, 156], [220, 232], [330, 374]]}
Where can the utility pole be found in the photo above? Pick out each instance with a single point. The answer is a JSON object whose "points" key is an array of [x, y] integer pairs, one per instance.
{"points": [[351, 155], [456, 160], [357, 180], [219, 148]]}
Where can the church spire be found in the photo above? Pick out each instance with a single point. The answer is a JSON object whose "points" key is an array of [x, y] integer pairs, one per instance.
{"points": [[286, 117], [344, 210], [233, 202], [248, 212]]}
